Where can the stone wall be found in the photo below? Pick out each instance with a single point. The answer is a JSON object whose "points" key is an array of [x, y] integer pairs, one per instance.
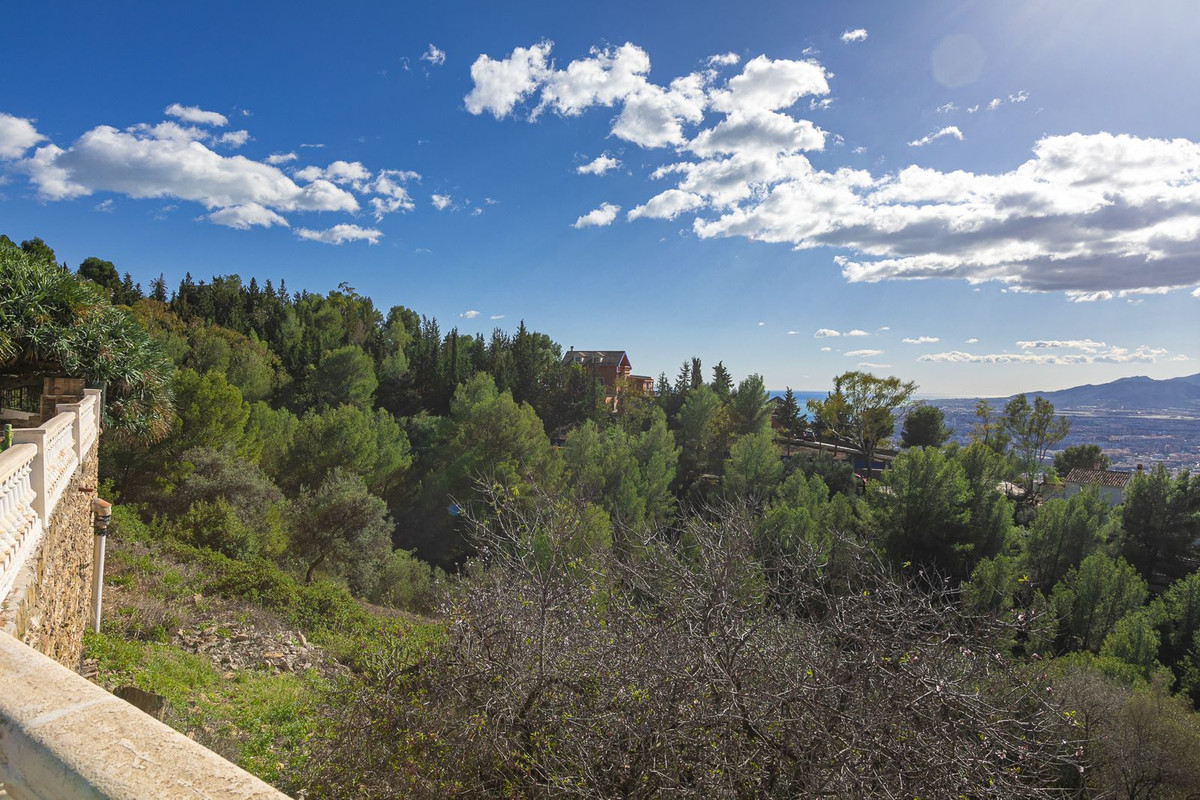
{"points": [[50, 603]]}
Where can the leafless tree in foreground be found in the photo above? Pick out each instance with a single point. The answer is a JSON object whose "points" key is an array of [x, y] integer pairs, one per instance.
{"points": [[707, 665]]}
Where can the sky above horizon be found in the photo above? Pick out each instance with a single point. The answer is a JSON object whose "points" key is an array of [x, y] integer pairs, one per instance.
{"points": [[984, 198]]}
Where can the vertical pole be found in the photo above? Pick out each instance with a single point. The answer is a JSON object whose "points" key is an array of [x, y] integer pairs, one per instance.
{"points": [[102, 513]]}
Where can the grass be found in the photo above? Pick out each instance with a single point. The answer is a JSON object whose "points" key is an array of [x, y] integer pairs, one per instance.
{"points": [[257, 719]]}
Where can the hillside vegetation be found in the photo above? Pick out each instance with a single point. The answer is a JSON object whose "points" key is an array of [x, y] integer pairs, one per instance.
{"points": [[670, 599]]}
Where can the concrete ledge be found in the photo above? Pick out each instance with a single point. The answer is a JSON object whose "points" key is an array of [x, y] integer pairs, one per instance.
{"points": [[64, 737]]}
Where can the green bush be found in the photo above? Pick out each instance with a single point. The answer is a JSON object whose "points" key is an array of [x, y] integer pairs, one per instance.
{"points": [[216, 526], [405, 582]]}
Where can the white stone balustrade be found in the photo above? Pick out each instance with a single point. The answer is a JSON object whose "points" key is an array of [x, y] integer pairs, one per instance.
{"points": [[86, 424], [20, 524], [56, 460]]}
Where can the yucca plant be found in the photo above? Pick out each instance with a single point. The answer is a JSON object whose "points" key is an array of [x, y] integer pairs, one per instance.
{"points": [[52, 321]]}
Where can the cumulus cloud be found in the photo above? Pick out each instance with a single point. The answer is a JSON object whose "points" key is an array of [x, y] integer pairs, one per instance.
{"points": [[599, 165], [16, 136], [866, 353], [949, 130], [857, 332], [652, 114], [666, 205], [824, 333], [340, 234], [604, 215], [856, 35], [164, 161], [472, 314], [920, 339], [972, 340], [1087, 345], [196, 115], [234, 139], [392, 196], [246, 216], [434, 55], [724, 60], [826, 349], [177, 159], [440, 201], [500, 85], [1196, 292], [1093, 214], [1104, 355]]}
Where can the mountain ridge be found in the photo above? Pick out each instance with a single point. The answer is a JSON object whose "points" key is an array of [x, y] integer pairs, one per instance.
{"points": [[1134, 393]]}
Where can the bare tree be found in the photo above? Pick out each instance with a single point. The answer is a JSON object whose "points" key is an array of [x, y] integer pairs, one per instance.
{"points": [[705, 663]]}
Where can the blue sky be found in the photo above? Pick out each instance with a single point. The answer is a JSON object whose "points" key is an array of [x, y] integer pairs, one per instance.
{"points": [[981, 197]]}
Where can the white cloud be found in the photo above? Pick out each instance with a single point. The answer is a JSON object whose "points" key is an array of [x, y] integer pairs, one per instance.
{"points": [[826, 349], [867, 353], [344, 173], [1107, 355], [1087, 345], [856, 35], [994, 103], [280, 158], [476, 211], [724, 60], [440, 201], [16, 136], [761, 133], [766, 85], [762, 324], [598, 166], [164, 161], [972, 340], [949, 130], [472, 314], [500, 85], [824, 333], [234, 139], [793, 333], [858, 151], [105, 206], [604, 215], [245, 216], [392, 195], [1179, 357], [920, 340], [1196, 292], [434, 55], [196, 115], [1085, 213], [884, 328], [973, 109], [1020, 97], [667, 205], [873, 365], [496, 316], [946, 108], [857, 332], [340, 234]]}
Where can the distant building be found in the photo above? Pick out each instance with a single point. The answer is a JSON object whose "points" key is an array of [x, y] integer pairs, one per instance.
{"points": [[612, 367], [1109, 483]]}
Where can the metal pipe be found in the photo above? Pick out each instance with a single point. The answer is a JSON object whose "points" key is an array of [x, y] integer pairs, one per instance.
{"points": [[101, 515]]}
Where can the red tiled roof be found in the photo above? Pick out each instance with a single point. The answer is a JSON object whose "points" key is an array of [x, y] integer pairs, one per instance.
{"points": [[1100, 477]]}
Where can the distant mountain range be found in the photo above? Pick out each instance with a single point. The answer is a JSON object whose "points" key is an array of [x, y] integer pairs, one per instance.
{"points": [[1137, 393]]}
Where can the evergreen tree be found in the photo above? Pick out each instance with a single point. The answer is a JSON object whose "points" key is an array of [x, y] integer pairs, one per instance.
{"points": [[722, 382]]}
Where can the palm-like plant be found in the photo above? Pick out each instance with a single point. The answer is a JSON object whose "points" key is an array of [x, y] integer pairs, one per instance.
{"points": [[50, 320]]}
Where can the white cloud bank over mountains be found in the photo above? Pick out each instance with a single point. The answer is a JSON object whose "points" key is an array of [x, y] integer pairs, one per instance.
{"points": [[1095, 215], [182, 161]]}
